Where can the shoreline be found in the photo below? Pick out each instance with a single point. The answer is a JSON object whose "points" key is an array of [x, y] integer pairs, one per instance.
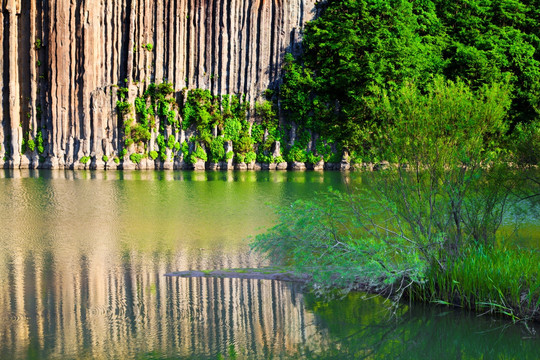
{"points": [[147, 164]]}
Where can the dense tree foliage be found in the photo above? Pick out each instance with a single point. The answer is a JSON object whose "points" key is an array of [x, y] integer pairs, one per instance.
{"points": [[358, 46], [433, 87], [425, 227], [436, 201]]}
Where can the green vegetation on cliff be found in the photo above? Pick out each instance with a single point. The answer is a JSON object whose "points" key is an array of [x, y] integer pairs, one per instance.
{"points": [[208, 121], [354, 52]]}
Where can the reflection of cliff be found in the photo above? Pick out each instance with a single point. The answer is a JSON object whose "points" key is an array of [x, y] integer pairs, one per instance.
{"points": [[60, 61], [123, 306], [82, 258]]}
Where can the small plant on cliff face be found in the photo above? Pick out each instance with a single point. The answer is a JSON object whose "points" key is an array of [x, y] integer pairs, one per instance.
{"points": [[116, 160], [279, 160], [171, 117], [146, 112], [39, 140], [123, 153], [105, 158], [38, 44], [240, 158], [160, 141], [312, 158], [136, 158], [170, 142], [217, 151], [140, 134], [257, 133], [165, 88], [123, 107], [250, 157], [199, 153], [185, 149], [162, 100], [266, 112], [122, 92], [324, 149], [153, 155], [232, 129], [31, 145], [162, 147], [264, 159], [84, 160], [148, 47], [243, 145], [297, 153]]}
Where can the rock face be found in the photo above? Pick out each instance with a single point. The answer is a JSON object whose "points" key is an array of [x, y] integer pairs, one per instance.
{"points": [[62, 60]]}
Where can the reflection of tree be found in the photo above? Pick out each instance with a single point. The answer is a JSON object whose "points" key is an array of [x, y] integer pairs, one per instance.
{"points": [[362, 327]]}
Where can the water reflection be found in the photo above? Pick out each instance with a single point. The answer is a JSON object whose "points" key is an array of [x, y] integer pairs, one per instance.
{"points": [[364, 327], [201, 176], [56, 310], [84, 253], [82, 258], [106, 311]]}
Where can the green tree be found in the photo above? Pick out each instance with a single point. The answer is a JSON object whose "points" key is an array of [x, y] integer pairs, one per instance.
{"points": [[438, 141], [439, 199], [355, 46]]}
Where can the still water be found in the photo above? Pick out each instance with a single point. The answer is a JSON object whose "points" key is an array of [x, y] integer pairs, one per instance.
{"points": [[83, 254]]}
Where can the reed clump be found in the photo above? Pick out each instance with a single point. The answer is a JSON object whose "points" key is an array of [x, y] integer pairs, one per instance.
{"points": [[490, 280]]}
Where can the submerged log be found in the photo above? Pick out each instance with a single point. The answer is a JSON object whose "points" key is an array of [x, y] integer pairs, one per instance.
{"points": [[268, 273]]}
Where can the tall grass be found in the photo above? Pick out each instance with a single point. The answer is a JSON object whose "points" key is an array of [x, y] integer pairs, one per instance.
{"points": [[488, 279]]}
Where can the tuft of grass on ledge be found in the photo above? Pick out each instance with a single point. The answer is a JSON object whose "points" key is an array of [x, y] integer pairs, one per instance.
{"points": [[489, 280]]}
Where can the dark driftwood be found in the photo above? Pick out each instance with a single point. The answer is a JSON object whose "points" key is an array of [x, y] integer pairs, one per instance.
{"points": [[260, 274], [278, 273]]}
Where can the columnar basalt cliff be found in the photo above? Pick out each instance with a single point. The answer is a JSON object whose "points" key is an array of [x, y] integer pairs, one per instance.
{"points": [[63, 60]]}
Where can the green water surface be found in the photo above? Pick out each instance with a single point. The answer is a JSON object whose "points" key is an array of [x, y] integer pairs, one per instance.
{"points": [[83, 254]]}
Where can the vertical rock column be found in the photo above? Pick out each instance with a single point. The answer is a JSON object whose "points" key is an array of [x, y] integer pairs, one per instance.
{"points": [[89, 75], [14, 103], [58, 66], [3, 118], [33, 125]]}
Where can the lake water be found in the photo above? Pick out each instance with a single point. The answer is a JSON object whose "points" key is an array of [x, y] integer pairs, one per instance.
{"points": [[83, 257]]}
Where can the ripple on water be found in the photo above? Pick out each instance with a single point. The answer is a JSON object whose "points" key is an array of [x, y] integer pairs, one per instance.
{"points": [[82, 258]]}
